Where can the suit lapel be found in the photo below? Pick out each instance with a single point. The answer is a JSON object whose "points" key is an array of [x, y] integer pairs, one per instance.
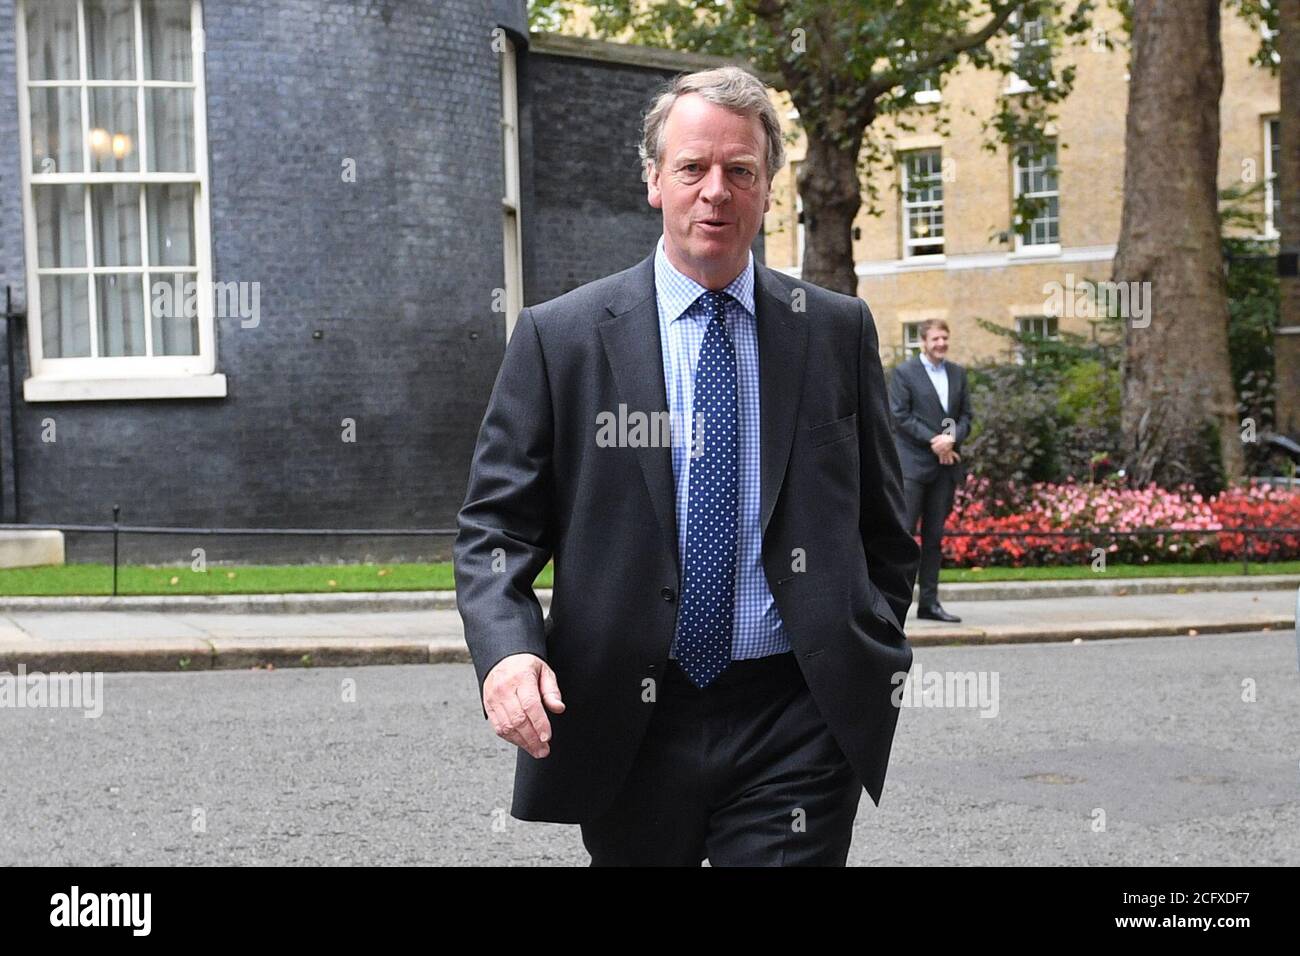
{"points": [[631, 341], [782, 350]]}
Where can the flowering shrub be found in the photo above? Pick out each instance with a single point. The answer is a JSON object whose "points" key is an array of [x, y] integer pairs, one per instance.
{"points": [[1201, 526]]}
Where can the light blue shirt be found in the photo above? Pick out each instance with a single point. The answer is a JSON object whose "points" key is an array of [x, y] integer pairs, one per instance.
{"points": [[757, 630], [939, 376]]}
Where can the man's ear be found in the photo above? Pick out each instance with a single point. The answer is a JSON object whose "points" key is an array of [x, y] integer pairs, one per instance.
{"points": [[653, 194]]}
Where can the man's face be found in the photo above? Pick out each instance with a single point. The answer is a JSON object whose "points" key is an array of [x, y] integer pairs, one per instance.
{"points": [[713, 189], [935, 345]]}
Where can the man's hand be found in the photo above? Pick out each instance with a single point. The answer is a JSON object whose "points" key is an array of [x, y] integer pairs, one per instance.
{"points": [[513, 693], [941, 443], [949, 458]]}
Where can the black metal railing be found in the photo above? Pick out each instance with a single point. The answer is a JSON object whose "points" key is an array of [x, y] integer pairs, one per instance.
{"points": [[117, 529]]}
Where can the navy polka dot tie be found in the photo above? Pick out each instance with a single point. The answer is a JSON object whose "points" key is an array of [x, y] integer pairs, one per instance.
{"points": [[703, 647]]}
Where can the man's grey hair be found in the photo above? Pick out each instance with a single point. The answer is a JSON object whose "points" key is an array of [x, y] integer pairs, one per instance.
{"points": [[729, 87]]}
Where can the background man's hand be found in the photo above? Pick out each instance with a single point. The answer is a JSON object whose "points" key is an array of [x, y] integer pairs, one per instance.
{"points": [[513, 695], [949, 458], [941, 443]]}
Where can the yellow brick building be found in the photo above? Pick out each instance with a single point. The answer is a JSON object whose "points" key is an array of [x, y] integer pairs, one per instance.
{"points": [[949, 251]]}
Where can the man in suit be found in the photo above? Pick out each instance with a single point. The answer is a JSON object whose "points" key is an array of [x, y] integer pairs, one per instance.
{"points": [[714, 677], [931, 407]]}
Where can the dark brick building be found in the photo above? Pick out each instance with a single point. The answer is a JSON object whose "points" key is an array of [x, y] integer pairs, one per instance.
{"points": [[334, 171]]}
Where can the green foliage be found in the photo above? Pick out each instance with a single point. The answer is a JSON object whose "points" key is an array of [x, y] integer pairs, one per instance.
{"points": [[1261, 13], [1016, 420], [1253, 311], [1055, 416], [847, 62], [1253, 308]]}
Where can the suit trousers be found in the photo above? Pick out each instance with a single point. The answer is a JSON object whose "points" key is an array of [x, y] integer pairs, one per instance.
{"points": [[930, 501], [744, 772]]}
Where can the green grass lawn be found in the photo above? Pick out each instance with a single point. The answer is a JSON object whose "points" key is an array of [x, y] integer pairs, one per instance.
{"points": [[97, 579]]}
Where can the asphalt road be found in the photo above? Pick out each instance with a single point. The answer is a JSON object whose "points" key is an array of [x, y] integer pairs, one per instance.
{"points": [[1111, 752]]}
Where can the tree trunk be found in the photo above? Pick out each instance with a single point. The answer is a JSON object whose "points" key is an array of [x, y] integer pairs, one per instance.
{"points": [[1286, 344], [1180, 412], [831, 191]]}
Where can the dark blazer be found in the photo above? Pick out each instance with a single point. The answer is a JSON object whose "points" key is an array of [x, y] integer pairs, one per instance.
{"points": [[540, 485], [919, 416]]}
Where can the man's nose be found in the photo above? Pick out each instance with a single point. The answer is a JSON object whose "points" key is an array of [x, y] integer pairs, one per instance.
{"points": [[715, 189]]}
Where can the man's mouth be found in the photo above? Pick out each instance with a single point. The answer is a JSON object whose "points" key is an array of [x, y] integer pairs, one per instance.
{"points": [[714, 223]]}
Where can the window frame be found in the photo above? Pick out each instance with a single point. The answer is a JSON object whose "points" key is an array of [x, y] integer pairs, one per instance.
{"points": [[912, 330], [1270, 177], [118, 377], [1015, 82], [906, 206], [1023, 248], [511, 205], [930, 92], [1048, 334]]}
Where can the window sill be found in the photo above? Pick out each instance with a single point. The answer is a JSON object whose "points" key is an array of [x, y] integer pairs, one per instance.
{"points": [[925, 260], [108, 389], [1044, 251], [1018, 86]]}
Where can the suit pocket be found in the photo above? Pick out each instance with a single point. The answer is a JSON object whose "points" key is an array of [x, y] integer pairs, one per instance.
{"points": [[880, 607], [832, 431]]}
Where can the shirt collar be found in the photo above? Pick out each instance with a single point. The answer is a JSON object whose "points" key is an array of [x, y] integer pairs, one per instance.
{"points": [[930, 365], [678, 292]]}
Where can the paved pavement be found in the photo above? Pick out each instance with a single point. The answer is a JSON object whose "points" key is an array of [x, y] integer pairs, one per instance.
{"points": [[1159, 751], [240, 636]]}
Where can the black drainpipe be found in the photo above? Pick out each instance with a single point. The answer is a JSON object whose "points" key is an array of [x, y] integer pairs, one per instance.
{"points": [[13, 320]]}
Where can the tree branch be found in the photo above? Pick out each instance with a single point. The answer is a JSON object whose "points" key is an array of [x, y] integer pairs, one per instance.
{"points": [[1001, 12]]}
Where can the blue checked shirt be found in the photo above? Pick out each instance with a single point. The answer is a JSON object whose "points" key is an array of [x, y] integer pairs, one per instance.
{"points": [[757, 629]]}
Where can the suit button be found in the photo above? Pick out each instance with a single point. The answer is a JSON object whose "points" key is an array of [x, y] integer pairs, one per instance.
{"points": [[667, 594]]}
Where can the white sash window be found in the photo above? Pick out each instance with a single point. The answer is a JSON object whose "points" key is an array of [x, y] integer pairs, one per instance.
{"points": [[115, 199]]}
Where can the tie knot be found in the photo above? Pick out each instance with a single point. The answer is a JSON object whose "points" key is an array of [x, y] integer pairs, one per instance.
{"points": [[714, 304]]}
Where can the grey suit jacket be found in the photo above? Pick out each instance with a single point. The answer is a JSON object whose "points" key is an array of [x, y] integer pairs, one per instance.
{"points": [[919, 416], [836, 554]]}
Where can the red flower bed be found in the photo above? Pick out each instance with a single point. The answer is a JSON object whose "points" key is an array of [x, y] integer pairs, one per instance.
{"points": [[1200, 528]]}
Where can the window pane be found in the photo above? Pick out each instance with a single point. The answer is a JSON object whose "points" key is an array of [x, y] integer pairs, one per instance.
{"points": [[52, 40], [110, 39], [56, 129], [171, 224], [113, 136], [174, 312], [167, 40], [115, 219], [60, 226], [1053, 221], [170, 115], [65, 324], [121, 314]]}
